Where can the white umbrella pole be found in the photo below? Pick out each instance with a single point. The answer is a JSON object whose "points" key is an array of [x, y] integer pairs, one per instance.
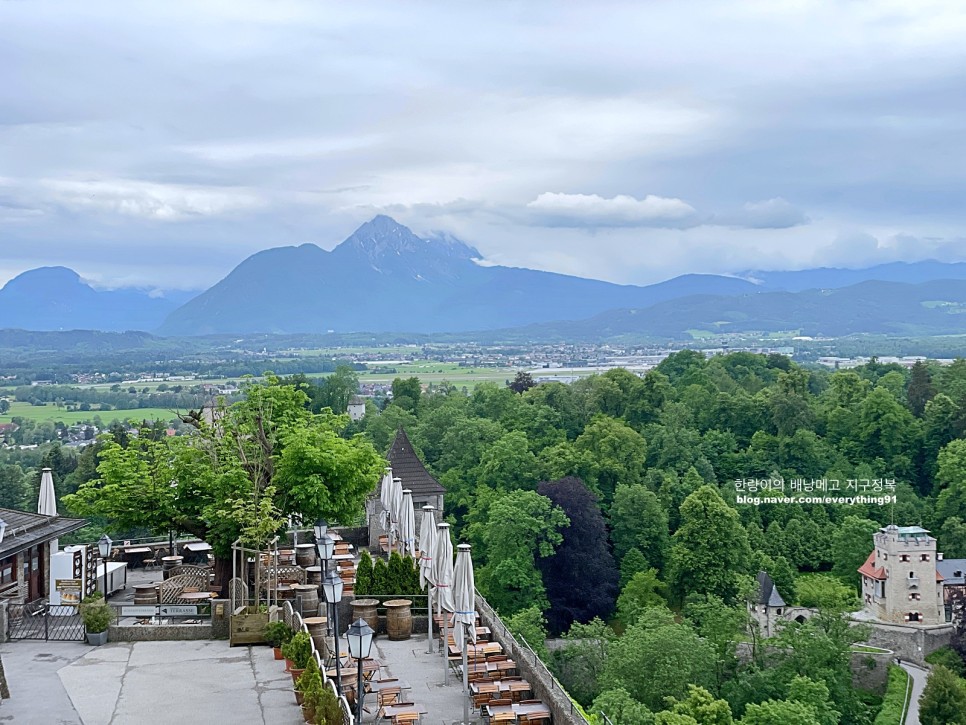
{"points": [[445, 645], [466, 686], [429, 619]]}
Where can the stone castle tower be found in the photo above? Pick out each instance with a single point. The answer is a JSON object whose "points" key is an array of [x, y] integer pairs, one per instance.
{"points": [[899, 579]]}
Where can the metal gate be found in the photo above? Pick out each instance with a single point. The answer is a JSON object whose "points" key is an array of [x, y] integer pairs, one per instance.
{"points": [[39, 620]]}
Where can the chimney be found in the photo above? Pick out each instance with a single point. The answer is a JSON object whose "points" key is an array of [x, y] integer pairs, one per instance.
{"points": [[939, 556]]}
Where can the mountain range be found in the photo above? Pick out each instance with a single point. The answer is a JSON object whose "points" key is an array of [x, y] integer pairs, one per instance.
{"points": [[384, 278]]}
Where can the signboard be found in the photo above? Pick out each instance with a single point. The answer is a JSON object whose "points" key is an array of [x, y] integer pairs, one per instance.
{"points": [[69, 590], [162, 610]]}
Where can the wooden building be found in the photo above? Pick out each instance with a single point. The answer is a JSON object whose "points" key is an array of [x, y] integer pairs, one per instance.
{"points": [[25, 548]]}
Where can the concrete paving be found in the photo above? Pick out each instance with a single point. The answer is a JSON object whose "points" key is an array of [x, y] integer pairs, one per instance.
{"points": [[156, 683], [407, 660]]}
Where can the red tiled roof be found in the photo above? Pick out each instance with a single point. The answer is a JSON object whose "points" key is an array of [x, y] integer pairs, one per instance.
{"points": [[873, 572], [939, 577]]}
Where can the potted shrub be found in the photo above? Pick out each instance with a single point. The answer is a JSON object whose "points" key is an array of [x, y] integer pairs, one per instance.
{"points": [[97, 616], [327, 710], [299, 651], [312, 693], [305, 680], [278, 633]]}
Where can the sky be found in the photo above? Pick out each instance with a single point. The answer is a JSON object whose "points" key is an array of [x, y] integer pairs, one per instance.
{"points": [[159, 144]]}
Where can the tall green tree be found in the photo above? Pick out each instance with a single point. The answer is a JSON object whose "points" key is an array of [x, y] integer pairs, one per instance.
{"points": [[851, 545], [407, 393], [515, 530], [920, 390], [702, 706], [710, 550], [658, 658], [638, 521], [943, 700], [264, 458]]}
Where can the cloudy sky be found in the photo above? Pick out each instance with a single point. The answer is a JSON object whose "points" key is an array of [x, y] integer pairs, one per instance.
{"points": [[160, 143]]}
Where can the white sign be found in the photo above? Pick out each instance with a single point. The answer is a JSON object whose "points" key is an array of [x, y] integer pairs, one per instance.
{"points": [[164, 610]]}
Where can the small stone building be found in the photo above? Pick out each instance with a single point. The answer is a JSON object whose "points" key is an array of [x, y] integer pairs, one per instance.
{"points": [[768, 607], [406, 466], [953, 572], [900, 581]]}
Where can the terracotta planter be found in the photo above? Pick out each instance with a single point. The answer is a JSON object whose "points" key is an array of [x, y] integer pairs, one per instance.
{"points": [[288, 664], [299, 697], [296, 674], [308, 713], [277, 651]]}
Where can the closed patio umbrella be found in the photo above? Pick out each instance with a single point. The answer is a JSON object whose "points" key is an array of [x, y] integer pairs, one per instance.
{"points": [[407, 523], [443, 581], [464, 619], [427, 543], [47, 501], [395, 508], [385, 498]]}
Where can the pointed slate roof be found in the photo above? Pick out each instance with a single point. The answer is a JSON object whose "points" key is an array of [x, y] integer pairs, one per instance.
{"points": [[768, 592], [407, 466]]}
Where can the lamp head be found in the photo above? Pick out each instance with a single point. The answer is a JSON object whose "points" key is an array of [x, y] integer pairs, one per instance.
{"points": [[332, 586], [359, 638], [321, 528], [326, 546], [104, 546]]}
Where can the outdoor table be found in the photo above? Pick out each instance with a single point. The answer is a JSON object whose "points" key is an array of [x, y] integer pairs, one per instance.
{"points": [[391, 711], [500, 686], [519, 708], [380, 685], [134, 557], [476, 650], [195, 597], [487, 668]]}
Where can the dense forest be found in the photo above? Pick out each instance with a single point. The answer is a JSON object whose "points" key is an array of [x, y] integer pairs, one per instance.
{"points": [[605, 513]]}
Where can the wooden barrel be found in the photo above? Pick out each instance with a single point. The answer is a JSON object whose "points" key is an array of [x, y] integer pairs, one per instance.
{"points": [[310, 598], [399, 618], [366, 609], [145, 594], [313, 575], [168, 563], [286, 556], [305, 555], [316, 627]]}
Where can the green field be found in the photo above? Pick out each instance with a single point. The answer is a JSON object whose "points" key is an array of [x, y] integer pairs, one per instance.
{"points": [[52, 413]]}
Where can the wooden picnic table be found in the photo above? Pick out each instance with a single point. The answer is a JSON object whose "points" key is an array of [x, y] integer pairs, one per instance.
{"points": [[475, 651], [517, 684], [391, 711], [488, 668], [519, 708]]}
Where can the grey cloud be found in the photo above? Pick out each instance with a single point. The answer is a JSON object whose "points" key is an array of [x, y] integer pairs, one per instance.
{"points": [[770, 214]]}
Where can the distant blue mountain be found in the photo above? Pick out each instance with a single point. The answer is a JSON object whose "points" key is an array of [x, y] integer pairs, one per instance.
{"points": [[834, 277], [55, 298], [930, 308], [385, 278]]}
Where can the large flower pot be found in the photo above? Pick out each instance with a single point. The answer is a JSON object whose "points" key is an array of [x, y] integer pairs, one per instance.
{"points": [[97, 638]]}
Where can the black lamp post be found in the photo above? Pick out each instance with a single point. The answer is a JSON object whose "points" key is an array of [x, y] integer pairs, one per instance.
{"points": [[325, 545], [359, 637], [104, 549], [332, 586]]}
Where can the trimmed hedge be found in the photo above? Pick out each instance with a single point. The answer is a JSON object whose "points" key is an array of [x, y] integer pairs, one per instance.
{"points": [[895, 697]]}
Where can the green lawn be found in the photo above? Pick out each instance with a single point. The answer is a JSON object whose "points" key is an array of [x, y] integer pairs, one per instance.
{"points": [[52, 413]]}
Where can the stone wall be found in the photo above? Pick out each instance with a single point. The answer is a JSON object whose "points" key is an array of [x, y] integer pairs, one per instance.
{"points": [[544, 684], [870, 670], [158, 633], [909, 642]]}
